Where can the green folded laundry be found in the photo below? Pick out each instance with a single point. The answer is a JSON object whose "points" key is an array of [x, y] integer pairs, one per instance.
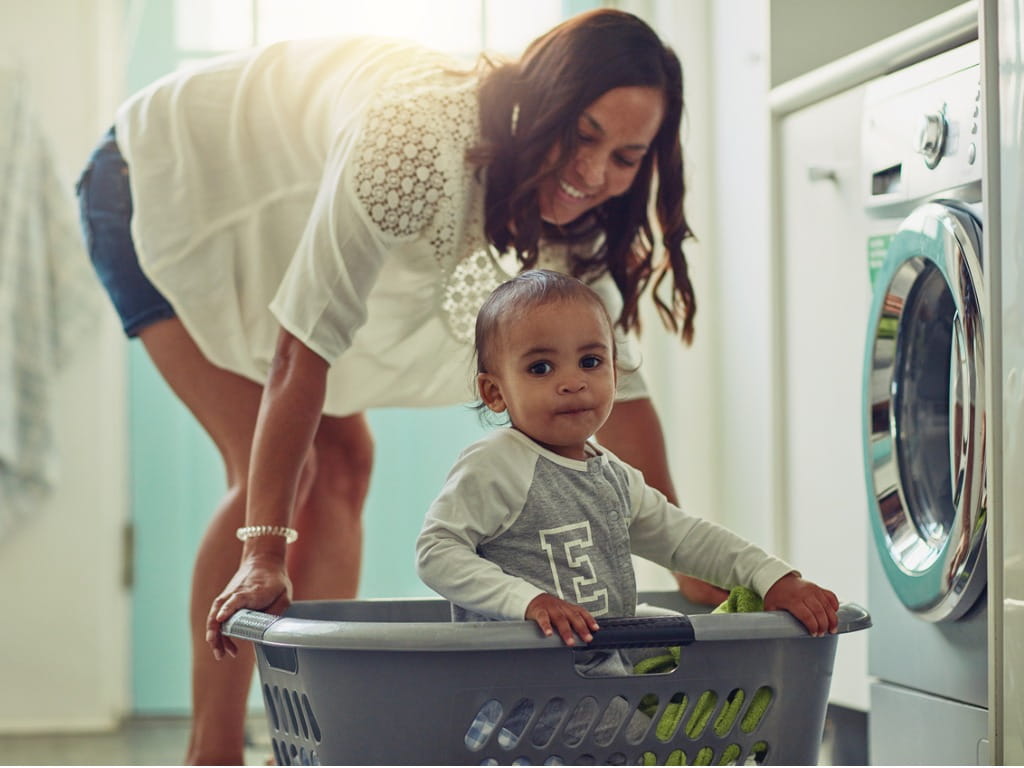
{"points": [[740, 600]]}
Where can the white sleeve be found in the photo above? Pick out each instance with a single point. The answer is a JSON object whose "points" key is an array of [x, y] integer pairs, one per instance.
{"points": [[322, 298], [379, 188], [483, 495], [663, 533]]}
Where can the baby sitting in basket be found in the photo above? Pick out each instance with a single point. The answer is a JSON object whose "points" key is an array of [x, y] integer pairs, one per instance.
{"points": [[537, 521]]}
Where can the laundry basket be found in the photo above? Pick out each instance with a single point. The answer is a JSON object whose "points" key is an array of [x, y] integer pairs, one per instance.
{"points": [[396, 682]]}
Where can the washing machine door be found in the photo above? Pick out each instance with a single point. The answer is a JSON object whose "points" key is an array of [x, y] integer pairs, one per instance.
{"points": [[924, 413]]}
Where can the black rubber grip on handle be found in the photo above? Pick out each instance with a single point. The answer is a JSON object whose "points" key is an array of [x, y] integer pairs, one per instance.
{"points": [[647, 632]]}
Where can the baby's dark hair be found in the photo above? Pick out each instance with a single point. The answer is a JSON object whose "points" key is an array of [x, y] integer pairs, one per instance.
{"points": [[523, 292]]}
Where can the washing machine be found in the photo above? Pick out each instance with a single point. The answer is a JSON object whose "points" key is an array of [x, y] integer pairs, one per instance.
{"points": [[924, 413]]}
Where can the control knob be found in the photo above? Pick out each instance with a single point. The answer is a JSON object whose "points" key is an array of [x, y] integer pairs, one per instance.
{"points": [[931, 137]]}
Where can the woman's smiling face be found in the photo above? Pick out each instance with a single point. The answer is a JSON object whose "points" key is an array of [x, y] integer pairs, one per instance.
{"points": [[614, 134]]}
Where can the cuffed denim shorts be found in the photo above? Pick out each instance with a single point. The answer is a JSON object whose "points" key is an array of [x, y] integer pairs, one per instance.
{"points": [[105, 205]]}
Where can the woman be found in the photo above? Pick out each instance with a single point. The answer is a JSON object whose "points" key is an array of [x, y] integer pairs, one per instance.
{"points": [[317, 223]]}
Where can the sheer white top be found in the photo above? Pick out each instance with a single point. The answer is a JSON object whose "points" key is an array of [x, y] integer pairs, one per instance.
{"points": [[322, 186]]}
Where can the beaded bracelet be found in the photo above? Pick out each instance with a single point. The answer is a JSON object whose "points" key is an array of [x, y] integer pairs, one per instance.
{"points": [[252, 531]]}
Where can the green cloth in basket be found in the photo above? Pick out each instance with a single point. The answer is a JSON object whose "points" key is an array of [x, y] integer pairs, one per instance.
{"points": [[740, 600]]}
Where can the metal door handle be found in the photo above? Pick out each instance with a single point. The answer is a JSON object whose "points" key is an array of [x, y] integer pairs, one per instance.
{"points": [[819, 173]]}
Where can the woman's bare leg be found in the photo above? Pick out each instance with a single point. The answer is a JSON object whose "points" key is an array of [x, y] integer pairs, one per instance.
{"points": [[323, 563], [325, 560], [225, 405]]}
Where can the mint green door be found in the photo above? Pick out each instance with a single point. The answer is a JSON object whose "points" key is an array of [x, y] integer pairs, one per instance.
{"points": [[177, 477]]}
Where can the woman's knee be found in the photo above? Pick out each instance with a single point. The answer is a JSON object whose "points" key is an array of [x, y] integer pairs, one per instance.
{"points": [[344, 459]]}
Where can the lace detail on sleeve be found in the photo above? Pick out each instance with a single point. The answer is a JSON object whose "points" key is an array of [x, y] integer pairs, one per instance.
{"points": [[414, 182], [411, 175]]}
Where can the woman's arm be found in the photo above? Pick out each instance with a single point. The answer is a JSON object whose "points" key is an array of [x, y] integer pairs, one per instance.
{"points": [[633, 433], [289, 414]]}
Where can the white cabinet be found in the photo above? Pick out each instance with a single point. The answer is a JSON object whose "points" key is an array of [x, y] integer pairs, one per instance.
{"points": [[825, 290]]}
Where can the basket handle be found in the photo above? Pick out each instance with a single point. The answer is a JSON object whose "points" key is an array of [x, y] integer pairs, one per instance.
{"points": [[645, 632], [248, 625]]}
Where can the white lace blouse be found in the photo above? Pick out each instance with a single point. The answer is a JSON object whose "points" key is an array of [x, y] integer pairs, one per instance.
{"points": [[321, 186]]}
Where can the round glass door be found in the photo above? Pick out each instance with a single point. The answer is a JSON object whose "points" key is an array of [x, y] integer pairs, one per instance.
{"points": [[924, 413]]}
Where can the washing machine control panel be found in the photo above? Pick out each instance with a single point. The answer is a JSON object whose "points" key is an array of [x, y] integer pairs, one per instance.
{"points": [[922, 133]]}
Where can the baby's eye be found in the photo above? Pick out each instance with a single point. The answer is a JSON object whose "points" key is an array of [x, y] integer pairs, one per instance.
{"points": [[540, 368], [590, 361]]}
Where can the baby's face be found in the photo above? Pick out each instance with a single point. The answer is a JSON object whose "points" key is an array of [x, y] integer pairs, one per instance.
{"points": [[553, 370]]}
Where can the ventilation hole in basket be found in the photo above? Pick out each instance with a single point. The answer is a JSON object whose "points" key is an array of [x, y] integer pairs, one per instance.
{"points": [[489, 761], [730, 712], [580, 721], [676, 757], [641, 719], [548, 720], [731, 755], [585, 760], [758, 754], [615, 714], [303, 758], [670, 719], [554, 760], [702, 711], [302, 715], [704, 756], [616, 758], [284, 659], [291, 711], [313, 724], [281, 709], [278, 754], [281, 750], [755, 713], [293, 755], [522, 761], [515, 724], [480, 730], [271, 709], [314, 758]]}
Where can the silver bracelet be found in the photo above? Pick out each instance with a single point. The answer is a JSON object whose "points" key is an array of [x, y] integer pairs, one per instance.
{"points": [[252, 531]]}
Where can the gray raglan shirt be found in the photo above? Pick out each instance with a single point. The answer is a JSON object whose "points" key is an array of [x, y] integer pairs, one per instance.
{"points": [[515, 520]]}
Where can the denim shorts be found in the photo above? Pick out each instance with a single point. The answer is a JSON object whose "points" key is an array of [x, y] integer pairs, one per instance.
{"points": [[105, 205]]}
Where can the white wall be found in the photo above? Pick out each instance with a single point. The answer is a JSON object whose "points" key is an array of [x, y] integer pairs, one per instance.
{"points": [[65, 641], [716, 398], [682, 379]]}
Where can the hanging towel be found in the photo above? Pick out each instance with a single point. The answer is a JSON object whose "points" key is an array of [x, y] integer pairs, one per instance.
{"points": [[48, 301]]}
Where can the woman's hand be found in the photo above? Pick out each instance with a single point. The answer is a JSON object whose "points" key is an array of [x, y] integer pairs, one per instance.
{"points": [[553, 614], [813, 606], [260, 584]]}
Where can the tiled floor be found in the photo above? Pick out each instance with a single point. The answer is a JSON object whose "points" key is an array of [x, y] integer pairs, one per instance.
{"points": [[140, 741]]}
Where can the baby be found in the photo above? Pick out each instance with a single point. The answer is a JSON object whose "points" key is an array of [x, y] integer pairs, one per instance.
{"points": [[536, 520]]}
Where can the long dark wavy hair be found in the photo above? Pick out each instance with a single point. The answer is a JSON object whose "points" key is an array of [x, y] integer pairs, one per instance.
{"points": [[558, 76]]}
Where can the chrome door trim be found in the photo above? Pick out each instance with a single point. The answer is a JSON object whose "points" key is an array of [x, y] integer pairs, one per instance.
{"points": [[928, 523]]}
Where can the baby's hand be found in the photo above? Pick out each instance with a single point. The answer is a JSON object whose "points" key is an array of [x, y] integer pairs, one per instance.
{"points": [[551, 614], [813, 606]]}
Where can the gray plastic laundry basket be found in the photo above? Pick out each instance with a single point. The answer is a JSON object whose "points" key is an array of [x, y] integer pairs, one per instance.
{"points": [[396, 682]]}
